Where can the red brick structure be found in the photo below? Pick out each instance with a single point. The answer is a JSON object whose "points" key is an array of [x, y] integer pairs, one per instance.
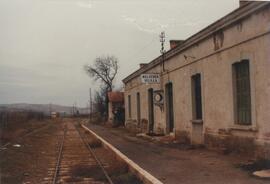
{"points": [[116, 100]]}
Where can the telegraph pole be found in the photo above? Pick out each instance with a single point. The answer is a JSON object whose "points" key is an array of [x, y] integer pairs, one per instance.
{"points": [[75, 108], [50, 110], [162, 51], [90, 104]]}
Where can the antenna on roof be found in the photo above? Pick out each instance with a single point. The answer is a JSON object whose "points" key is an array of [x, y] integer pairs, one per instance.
{"points": [[162, 51], [162, 40]]}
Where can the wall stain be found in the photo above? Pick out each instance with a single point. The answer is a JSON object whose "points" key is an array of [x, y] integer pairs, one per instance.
{"points": [[218, 39]]}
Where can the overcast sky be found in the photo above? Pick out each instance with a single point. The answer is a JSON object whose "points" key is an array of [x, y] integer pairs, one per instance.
{"points": [[45, 43]]}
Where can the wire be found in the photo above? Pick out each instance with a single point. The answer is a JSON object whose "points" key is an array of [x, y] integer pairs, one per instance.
{"points": [[143, 48]]}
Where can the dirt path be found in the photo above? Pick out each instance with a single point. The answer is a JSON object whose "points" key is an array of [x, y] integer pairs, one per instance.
{"points": [[176, 165]]}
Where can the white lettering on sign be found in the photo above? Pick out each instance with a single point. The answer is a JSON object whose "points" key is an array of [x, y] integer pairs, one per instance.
{"points": [[150, 78]]}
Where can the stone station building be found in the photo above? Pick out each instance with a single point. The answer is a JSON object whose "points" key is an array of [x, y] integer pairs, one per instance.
{"points": [[214, 87]]}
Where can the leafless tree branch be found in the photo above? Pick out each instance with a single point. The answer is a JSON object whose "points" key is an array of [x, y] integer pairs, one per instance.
{"points": [[103, 69]]}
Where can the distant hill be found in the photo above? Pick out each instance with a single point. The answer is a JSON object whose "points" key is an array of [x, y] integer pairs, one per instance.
{"points": [[45, 108]]}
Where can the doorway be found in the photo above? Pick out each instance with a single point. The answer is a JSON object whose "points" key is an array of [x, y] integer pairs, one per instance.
{"points": [[197, 119], [150, 110], [138, 109], [169, 107], [196, 97]]}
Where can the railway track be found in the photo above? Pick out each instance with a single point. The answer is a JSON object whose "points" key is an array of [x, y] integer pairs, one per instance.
{"points": [[62, 153], [75, 161], [28, 162]]}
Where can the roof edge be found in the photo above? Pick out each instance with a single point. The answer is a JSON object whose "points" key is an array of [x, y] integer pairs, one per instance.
{"points": [[225, 21]]}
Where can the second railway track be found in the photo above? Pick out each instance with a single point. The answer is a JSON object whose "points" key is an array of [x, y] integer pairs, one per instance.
{"points": [[62, 152], [31, 132], [75, 162]]}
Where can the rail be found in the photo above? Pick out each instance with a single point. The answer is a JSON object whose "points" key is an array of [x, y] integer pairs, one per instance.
{"points": [[58, 163], [95, 157]]}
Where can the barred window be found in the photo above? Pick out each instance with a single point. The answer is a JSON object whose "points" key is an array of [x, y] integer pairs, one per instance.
{"points": [[138, 108], [129, 106], [242, 92], [197, 96]]}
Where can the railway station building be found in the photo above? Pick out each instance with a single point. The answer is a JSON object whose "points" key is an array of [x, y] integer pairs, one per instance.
{"points": [[211, 89]]}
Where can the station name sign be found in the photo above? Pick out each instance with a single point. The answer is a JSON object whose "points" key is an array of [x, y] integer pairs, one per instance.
{"points": [[150, 78]]}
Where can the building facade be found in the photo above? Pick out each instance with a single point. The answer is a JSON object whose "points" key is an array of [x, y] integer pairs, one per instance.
{"points": [[214, 87]]}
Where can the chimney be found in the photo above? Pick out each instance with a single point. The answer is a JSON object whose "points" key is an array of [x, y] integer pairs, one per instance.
{"points": [[142, 64], [175, 43], [243, 2]]}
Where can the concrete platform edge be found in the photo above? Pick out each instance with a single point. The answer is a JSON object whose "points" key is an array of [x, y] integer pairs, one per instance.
{"points": [[146, 177]]}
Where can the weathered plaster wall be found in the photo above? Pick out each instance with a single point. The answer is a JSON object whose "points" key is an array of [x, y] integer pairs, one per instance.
{"points": [[213, 58], [110, 112]]}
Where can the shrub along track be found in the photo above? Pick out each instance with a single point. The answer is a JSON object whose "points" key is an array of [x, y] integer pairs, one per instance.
{"points": [[75, 163], [115, 167], [28, 133], [82, 159]]}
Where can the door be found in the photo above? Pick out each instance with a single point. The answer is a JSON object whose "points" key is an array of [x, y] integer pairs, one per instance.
{"points": [[169, 107], [150, 110], [138, 109], [197, 122]]}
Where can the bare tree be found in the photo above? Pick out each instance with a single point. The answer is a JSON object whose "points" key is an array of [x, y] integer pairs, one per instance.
{"points": [[104, 69], [100, 100]]}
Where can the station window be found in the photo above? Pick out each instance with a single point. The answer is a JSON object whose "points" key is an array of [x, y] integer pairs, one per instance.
{"points": [[196, 96], [138, 108], [242, 92], [129, 106]]}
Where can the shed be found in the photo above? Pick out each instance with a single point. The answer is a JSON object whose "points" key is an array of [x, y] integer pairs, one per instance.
{"points": [[116, 102]]}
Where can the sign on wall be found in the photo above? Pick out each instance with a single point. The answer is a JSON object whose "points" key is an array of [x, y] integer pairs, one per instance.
{"points": [[150, 78], [158, 98]]}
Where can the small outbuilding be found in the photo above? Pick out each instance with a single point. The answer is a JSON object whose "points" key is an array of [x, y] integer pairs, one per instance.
{"points": [[116, 107], [55, 115]]}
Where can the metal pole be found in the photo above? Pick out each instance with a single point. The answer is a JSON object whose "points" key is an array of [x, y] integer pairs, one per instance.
{"points": [[90, 105], [162, 51], [50, 109]]}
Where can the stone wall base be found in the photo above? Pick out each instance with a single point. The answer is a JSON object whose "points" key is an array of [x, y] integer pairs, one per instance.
{"points": [[183, 137], [225, 143], [132, 126], [263, 151], [135, 127], [231, 144], [236, 144], [144, 126]]}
